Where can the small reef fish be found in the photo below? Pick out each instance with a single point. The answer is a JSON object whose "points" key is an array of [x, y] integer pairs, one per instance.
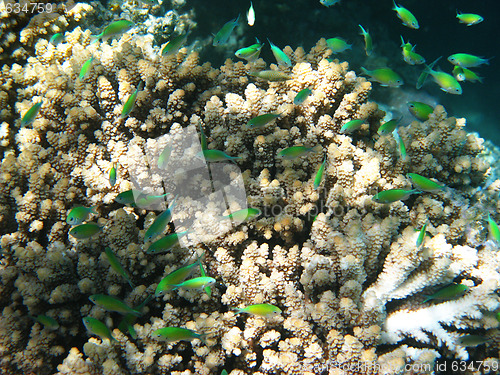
{"points": [[464, 74], [243, 215], [207, 289], [166, 243], [388, 127], [469, 18], [493, 229], [421, 236], [351, 126], [79, 214], [393, 195], [31, 114], [110, 303], [224, 372], [280, 56], [56, 39], [301, 96], [423, 76], [329, 3], [136, 198], [338, 45], [173, 45], [294, 152], [213, 156], [114, 28], [116, 265], [112, 175], [251, 15], [319, 174], [409, 54], [196, 283], [127, 197], [176, 277], [145, 200], [266, 310], [406, 16], [424, 184], [223, 34], [250, 53], [203, 138], [85, 68], [126, 325], [401, 144], [84, 231], [98, 328], [466, 60], [368, 41], [160, 223], [262, 120], [472, 340], [47, 322], [173, 334], [384, 76], [130, 103], [164, 157], [446, 81], [420, 111], [270, 75], [448, 292]]}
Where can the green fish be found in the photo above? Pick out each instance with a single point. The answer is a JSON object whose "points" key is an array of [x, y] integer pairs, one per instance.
{"points": [[130, 103], [85, 68], [265, 310], [160, 223], [393, 195], [409, 55], [173, 45], [497, 315], [223, 35], [294, 152], [47, 322], [173, 334], [262, 120], [493, 229], [84, 231], [420, 111], [338, 45], [424, 184], [30, 115], [319, 175], [207, 289], [421, 236], [79, 214], [466, 60], [113, 29], [176, 277], [388, 127], [127, 197], [469, 18], [423, 76], [280, 56], [164, 157], [116, 265], [98, 328], [112, 175], [137, 198], [213, 156], [448, 292], [251, 15], [196, 283], [166, 243], [384, 76], [224, 372], [127, 325], [401, 144], [368, 41], [270, 75], [351, 126], [243, 215], [110, 303], [406, 16], [250, 53], [446, 81], [301, 96], [56, 39], [472, 340], [145, 200], [464, 74], [203, 138]]}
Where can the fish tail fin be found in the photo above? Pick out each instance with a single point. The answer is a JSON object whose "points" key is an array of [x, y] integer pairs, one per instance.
{"points": [[363, 31], [364, 71], [95, 38], [237, 19]]}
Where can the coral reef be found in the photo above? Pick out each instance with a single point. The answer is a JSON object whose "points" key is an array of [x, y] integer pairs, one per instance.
{"points": [[344, 269]]}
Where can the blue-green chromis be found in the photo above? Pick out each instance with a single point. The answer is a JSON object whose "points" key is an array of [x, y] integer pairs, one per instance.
{"points": [[280, 56], [79, 214], [406, 16], [368, 41], [224, 33], [31, 114], [98, 328], [173, 334], [116, 266], [265, 310], [301, 96], [84, 231], [393, 195]]}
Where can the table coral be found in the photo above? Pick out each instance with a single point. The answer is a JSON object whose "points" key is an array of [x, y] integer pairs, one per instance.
{"points": [[344, 269]]}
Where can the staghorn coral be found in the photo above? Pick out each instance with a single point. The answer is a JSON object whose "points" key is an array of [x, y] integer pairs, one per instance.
{"points": [[345, 279]]}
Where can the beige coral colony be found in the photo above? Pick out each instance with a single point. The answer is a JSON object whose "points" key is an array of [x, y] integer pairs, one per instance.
{"points": [[307, 244]]}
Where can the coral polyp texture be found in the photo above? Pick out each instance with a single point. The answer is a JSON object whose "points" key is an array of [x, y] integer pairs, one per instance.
{"points": [[344, 270]]}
